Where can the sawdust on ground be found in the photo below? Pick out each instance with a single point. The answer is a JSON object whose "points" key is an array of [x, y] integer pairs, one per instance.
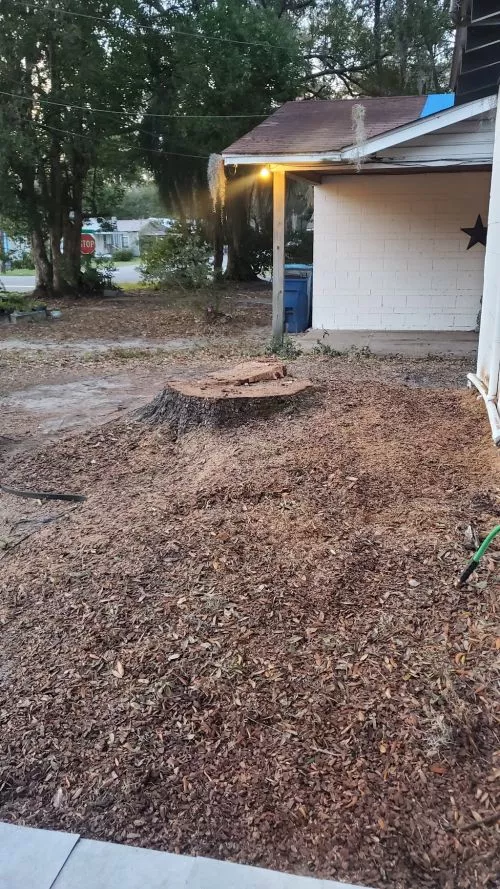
{"points": [[247, 643]]}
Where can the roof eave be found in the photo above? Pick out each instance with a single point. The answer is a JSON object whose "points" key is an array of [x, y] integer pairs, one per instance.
{"points": [[405, 133]]}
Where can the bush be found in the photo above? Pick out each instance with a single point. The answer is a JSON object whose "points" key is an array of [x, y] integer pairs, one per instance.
{"points": [[97, 275], [300, 248], [257, 249], [181, 258], [17, 260], [123, 255], [17, 302], [283, 347]]}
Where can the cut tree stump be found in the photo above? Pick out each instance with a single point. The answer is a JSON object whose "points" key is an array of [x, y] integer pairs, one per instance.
{"points": [[227, 397]]}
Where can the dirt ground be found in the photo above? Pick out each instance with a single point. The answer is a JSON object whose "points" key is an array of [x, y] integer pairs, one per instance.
{"points": [[159, 318], [247, 643]]}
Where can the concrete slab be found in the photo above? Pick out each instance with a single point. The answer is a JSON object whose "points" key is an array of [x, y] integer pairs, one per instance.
{"points": [[96, 865], [211, 874], [31, 858], [408, 343], [44, 859]]}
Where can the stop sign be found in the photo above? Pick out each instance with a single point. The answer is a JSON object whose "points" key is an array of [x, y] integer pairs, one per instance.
{"points": [[87, 244]]}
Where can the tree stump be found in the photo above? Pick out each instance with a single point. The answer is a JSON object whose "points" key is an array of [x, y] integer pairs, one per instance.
{"points": [[227, 397]]}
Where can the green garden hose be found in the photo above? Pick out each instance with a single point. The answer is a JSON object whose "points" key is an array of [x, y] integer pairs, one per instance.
{"points": [[474, 562]]}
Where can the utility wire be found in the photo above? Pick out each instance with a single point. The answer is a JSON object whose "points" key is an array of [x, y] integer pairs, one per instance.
{"points": [[97, 18], [129, 113], [132, 148]]}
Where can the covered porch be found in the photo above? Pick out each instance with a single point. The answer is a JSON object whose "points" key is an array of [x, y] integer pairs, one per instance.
{"points": [[402, 202]]}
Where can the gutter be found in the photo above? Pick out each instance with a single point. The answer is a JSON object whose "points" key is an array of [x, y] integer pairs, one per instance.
{"points": [[325, 157]]}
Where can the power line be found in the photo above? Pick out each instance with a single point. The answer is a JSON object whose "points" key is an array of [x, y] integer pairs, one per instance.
{"points": [[98, 18], [132, 148], [130, 113]]}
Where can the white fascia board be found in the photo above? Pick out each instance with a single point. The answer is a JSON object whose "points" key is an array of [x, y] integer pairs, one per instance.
{"points": [[420, 127], [325, 157]]}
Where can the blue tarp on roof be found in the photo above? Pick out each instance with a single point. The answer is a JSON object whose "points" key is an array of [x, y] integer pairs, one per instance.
{"points": [[437, 102]]}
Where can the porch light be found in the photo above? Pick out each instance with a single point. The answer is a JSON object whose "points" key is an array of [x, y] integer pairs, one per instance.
{"points": [[264, 172]]}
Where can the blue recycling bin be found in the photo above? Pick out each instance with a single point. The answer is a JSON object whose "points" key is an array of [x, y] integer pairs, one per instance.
{"points": [[298, 291]]}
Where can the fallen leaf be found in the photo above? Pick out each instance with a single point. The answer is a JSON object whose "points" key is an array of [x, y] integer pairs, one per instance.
{"points": [[118, 670], [58, 798]]}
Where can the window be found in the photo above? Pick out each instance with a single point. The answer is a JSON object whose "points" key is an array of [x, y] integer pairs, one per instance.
{"points": [[125, 241]]}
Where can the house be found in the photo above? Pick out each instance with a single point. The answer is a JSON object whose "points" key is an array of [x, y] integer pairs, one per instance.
{"points": [[14, 248], [405, 190], [124, 234]]}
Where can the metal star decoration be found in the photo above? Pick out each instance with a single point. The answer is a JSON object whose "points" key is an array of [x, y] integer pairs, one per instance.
{"points": [[477, 234]]}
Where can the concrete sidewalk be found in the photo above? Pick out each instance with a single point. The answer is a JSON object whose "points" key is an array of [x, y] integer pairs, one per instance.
{"points": [[46, 859], [408, 343]]}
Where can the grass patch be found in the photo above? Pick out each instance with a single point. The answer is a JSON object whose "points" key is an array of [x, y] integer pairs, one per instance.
{"points": [[131, 287], [27, 273], [22, 273]]}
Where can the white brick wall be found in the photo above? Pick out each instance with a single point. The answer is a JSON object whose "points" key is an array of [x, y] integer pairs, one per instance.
{"points": [[389, 253]]}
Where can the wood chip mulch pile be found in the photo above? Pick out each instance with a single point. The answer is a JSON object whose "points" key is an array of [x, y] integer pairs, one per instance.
{"points": [[247, 643]]}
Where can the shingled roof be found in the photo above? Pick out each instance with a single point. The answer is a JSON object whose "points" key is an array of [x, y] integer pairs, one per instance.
{"points": [[315, 125]]}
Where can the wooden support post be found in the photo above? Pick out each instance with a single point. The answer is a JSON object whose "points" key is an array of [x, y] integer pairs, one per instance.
{"points": [[278, 253]]}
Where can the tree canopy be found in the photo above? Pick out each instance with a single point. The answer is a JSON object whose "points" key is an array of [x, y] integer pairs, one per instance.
{"points": [[94, 93], [58, 66]]}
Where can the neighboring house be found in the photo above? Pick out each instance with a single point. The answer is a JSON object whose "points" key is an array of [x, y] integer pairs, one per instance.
{"points": [[404, 189], [124, 234]]}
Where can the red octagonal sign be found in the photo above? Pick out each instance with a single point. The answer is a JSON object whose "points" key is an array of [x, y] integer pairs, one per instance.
{"points": [[87, 244]]}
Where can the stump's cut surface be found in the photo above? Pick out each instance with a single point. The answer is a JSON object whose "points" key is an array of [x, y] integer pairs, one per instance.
{"points": [[211, 389], [248, 372], [251, 389]]}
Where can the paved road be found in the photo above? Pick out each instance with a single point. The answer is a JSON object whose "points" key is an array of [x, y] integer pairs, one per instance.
{"points": [[20, 283]]}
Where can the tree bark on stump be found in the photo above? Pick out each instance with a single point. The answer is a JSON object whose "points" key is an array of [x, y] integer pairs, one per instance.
{"points": [[251, 390]]}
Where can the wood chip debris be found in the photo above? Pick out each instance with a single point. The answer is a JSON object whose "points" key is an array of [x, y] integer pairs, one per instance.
{"points": [[247, 644]]}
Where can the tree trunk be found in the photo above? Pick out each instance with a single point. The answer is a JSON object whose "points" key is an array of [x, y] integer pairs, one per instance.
{"points": [[239, 263], [72, 248], [377, 36], [58, 277], [72, 224], [43, 267]]}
